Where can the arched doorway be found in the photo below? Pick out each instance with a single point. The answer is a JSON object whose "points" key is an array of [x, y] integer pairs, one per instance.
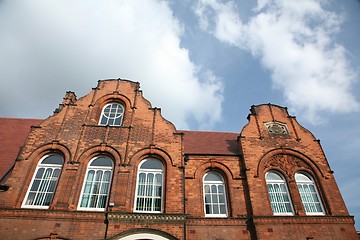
{"points": [[143, 234]]}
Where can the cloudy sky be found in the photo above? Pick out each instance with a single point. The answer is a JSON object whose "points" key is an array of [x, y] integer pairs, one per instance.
{"points": [[204, 63]]}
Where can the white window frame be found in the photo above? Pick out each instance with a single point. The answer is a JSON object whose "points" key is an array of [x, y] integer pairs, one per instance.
{"points": [[101, 182], [308, 200], [46, 166], [282, 203], [153, 187], [210, 184], [118, 114]]}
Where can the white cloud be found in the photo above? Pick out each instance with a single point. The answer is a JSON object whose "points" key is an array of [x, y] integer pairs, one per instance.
{"points": [[48, 47], [220, 19], [295, 41]]}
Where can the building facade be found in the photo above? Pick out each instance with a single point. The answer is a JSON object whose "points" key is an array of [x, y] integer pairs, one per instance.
{"points": [[109, 166]]}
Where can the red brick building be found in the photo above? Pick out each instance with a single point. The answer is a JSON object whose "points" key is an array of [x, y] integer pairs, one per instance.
{"points": [[109, 166]]}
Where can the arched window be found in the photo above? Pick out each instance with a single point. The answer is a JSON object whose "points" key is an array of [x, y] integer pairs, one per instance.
{"points": [[96, 187], [309, 194], [149, 187], [44, 182], [214, 195], [112, 114], [279, 194]]}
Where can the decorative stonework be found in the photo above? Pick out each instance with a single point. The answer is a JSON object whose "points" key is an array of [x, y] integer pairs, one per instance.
{"points": [[138, 217], [276, 128], [288, 163], [234, 221], [304, 220]]}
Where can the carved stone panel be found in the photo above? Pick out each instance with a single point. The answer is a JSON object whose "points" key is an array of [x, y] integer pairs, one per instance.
{"points": [[276, 128], [287, 163]]}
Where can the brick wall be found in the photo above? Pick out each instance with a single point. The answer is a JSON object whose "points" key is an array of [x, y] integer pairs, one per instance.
{"points": [[73, 131], [272, 140], [289, 152]]}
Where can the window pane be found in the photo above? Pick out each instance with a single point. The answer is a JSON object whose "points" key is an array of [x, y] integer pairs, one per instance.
{"points": [[90, 175], [213, 189], [103, 120], [151, 164], [216, 209], [40, 173], [117, 122], [47, 199], [222, 198], [56, 173], [98, 175], [158, 191], [150, 178], [43, 185], [213, 177], [87, 187], [97, 186], [157, 205], [104, 188], [308, 193], [112, 114], [93, 200], [149, 186], [53, 159], [278, 194], [207, 198], [222, 209], [39, 198], [273, 176], [85, 200], [102, 161], [102, 202], [30, 199], [35, 185], [158, 179], [215, 198], [142, 178], [52, 186], [208, 209], [214, 195], [141, 190]]}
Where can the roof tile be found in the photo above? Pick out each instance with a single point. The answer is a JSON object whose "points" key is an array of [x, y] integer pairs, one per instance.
{"points": [[211, 143], [13, 133]]}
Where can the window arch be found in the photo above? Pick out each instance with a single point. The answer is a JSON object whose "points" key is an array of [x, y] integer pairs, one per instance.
{"points": [[112, 114], [278, 193], [44, 182], [96, 187], [309, 194], [149, 187], [214, 195]]}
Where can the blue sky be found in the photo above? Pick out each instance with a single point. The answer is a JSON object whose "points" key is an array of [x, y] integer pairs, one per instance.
{"points": [[204, 63]]}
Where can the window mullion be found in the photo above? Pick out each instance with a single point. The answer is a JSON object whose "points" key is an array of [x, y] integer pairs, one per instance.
{"points": [[152, 193], [47, 181], [91, 193], [146, 192]]}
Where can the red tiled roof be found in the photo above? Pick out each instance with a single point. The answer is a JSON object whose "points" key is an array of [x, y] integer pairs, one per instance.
{"points": [[211, 143], [13, 132]]}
